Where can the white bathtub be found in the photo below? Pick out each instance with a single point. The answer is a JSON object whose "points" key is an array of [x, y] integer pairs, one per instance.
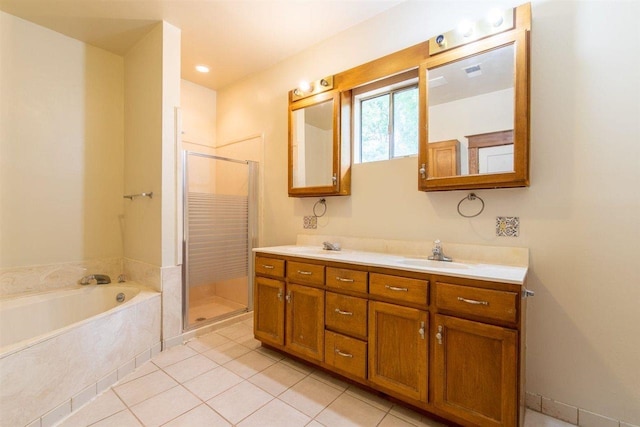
{"points": [[58, 349]]}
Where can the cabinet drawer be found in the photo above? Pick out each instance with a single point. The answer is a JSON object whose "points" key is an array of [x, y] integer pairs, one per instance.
{"points": [[488, 303], [345, 353], [269, 266], [351, 280], [301, 272], [346, 314], [399, 288]]}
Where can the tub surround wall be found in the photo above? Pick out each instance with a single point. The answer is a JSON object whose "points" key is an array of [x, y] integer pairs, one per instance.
{"points": [[61, 147], [60, 374], [171, 306]]}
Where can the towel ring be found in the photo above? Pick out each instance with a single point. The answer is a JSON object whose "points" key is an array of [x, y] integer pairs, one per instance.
{"points": [[322, 202], [471, 196]]}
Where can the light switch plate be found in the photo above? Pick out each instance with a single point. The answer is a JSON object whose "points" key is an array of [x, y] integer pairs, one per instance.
{"points": [[310, 221], [507, 226]]}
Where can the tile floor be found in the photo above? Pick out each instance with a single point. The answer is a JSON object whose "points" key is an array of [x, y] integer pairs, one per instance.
{"points": [[225, 378]]}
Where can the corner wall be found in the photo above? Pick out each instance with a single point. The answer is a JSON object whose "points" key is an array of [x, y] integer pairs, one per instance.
{"points": [[579, 217]]}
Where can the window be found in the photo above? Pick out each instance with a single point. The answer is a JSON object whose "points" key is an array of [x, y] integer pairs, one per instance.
{"points": [[386, 119]]}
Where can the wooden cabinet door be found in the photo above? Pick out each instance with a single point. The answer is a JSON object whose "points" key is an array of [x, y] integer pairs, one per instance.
{"points": [[398, 349], [305, 321], [475, 371], [268, 309]]}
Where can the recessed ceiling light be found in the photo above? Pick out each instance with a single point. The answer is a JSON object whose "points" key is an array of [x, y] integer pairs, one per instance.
{"points": [[202, 68]]}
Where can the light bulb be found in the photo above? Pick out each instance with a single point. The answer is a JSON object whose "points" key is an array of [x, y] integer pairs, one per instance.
{"points": [[495, 17], [304, 86], [202, 68], [465, 28]]}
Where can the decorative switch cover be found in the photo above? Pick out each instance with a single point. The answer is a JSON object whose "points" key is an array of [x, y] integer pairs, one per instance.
{"points": [[507, 226], [310, 221]]}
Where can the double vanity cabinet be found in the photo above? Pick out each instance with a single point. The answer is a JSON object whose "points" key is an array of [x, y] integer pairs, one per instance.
{"points": [[447, 344]]}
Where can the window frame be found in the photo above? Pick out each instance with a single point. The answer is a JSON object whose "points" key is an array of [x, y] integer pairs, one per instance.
{"points": [[392, 85]]}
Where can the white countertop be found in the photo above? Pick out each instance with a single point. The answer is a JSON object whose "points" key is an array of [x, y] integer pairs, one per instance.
{"points": [[470, 270]]}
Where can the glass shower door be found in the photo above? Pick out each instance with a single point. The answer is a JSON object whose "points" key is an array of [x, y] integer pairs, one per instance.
{"points": [[219, 234]]}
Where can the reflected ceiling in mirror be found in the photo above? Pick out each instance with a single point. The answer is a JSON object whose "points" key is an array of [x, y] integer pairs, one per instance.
{"points": [[471, 114]]}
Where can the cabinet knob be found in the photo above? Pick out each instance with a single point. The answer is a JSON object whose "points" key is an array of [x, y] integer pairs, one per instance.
{"points": [[280, 295], [439, 334], [421, 330], [289, 297], [423, 170]]}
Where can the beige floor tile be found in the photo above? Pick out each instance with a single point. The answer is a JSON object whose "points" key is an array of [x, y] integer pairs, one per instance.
{"points": [[310, 396], [165, 406], [207, 342], [393, 421], [275, 414], [240, 401], [190, 368], [302, 367], [536, 419], [276, 379], [249, 364], [121, 419], [101, 407], [329, 379], [145, 369], [199, 416], [348, 411], [212, 383], [250, 342], [236, 331], [226, 352], [413, 417], [134, 392], [270, 353], [173, 355], [373, 400]]}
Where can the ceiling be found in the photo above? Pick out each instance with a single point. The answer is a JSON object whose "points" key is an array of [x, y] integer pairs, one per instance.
{"points": [[235, 38]]}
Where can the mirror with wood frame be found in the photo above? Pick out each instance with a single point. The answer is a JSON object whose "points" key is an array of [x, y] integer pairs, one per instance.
{"points": [[476, 111], [315, 153]]}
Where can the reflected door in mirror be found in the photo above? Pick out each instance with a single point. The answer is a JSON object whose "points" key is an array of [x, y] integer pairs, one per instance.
{"points": [[312, 148], [471, 96]]}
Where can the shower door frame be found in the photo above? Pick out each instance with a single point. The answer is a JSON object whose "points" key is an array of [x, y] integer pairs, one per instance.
{"points": [[252, 232]]}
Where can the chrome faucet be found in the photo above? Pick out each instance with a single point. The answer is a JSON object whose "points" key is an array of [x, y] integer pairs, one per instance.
{"points": [[438, 255], [328, 246], [97, 279]]}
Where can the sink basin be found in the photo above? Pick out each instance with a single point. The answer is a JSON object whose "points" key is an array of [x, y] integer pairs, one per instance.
{"points": [[427, 263]]}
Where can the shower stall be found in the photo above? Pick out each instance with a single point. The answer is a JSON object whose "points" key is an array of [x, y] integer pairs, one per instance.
{"points": [[220, 229]]}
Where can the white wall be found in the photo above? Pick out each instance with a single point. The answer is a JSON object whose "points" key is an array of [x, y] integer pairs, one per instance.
{"points": [[198, 105], [579, 217], [61, 147]]}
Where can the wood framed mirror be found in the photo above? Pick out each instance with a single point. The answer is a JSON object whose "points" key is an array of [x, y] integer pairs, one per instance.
{"points": [[475, 118], [318, 164]]}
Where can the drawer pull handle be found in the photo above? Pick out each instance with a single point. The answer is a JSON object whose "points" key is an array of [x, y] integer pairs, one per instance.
{"points": [[472, 301], [421, 330], [289, 297], [280, 295], [306, 273], [268, 267], [339, 353], [342, 279], [395, 288], [345, 313]]}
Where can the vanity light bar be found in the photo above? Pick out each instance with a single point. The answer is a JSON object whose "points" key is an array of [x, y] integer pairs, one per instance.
{"points": [[318, 86], [497, 22]]}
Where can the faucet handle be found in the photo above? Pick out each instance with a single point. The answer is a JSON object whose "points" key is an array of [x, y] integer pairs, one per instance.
{"points": [[436, 242]]}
